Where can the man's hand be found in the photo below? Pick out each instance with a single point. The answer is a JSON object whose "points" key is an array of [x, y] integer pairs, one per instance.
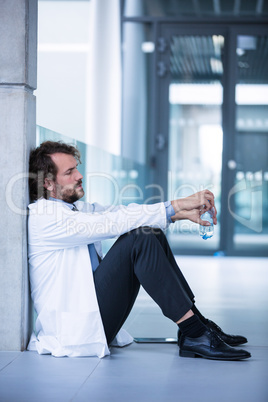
{"points": [[194, 206]]}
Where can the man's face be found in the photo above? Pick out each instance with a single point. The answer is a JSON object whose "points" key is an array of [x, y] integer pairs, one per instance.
{"points": [[68, 184]]}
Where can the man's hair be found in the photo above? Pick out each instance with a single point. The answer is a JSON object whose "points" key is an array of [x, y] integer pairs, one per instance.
{"points": [[41, 165]]}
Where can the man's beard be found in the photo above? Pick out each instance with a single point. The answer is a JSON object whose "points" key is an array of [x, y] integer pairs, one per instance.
{"points": [[71, 195]]}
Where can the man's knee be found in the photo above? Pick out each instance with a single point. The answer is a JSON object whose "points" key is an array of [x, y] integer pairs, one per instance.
{"points": [[146, 236], [143, 236], [147, 230]]}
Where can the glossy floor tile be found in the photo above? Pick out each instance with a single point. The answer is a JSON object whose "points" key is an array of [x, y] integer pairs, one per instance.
{"points": [[231, 291]]}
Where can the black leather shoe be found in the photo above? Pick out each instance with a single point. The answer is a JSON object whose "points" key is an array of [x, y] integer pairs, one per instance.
{"points": [[210, 346], [232, 340]]}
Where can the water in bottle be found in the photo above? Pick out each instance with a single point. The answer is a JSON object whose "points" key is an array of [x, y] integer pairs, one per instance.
{"points": [[206, 232]]}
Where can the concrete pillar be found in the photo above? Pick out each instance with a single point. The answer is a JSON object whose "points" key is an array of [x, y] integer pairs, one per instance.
{"points": [[18, 66]]}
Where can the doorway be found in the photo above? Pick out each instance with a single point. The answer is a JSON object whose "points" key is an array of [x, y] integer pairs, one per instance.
{"points": [[211, 131]]}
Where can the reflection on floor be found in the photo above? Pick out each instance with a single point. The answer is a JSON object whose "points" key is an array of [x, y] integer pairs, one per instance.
{"points": [[231, 291]]}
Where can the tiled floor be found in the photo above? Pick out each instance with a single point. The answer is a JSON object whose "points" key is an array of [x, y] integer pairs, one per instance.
{"points": [[231, 291]]}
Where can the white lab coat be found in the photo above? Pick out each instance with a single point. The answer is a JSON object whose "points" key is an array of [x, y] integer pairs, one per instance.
{"points": [[68, 318]]}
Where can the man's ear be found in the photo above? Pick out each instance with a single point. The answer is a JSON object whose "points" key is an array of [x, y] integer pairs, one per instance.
{"points": [[49, 184]]}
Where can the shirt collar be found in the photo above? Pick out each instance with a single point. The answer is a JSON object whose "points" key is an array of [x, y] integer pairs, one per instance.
{"points": [[64, 202]]}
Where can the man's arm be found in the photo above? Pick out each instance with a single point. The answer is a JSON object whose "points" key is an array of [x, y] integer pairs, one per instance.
{"points": [[54, 226]]}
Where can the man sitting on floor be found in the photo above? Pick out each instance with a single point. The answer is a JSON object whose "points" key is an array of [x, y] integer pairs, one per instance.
{"points": [[82, 300]]}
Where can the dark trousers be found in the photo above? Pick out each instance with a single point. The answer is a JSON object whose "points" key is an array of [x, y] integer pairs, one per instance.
{"points": [[140, 257]]}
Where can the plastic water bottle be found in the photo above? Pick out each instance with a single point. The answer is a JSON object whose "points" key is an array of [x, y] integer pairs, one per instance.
{"points": [[206, 232]]}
